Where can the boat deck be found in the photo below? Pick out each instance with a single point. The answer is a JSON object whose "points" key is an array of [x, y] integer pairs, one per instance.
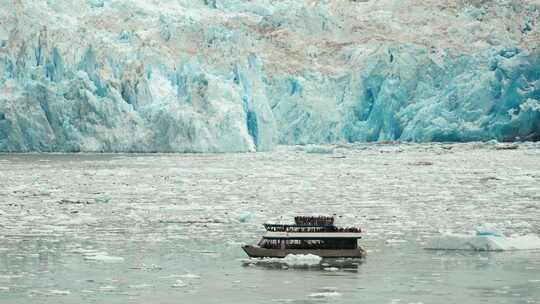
{"points": [[312, 235]]}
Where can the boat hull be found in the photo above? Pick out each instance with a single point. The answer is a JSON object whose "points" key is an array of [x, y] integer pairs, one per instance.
{"points": [[258, 252]]}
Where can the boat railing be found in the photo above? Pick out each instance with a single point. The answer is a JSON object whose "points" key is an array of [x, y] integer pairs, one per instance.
{"points": [[309, 228], [314, 220]]}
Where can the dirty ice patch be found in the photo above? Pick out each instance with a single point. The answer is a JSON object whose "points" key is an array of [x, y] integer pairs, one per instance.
{"points": [[484, 242]]}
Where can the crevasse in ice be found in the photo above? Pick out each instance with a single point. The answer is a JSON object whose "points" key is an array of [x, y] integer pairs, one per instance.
{"points": [[225, 76]]}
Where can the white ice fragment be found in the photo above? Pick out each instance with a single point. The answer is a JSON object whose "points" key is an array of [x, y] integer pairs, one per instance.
{"points": [[102, 198], [4, 288], [140, 286], [103, 257], [244, 217], [302, 259], [189, 276], [395, 241], [487, 230], [59, 292], [179, 284], [450, 241], [84, 251], [330, 294], [331, 269]]}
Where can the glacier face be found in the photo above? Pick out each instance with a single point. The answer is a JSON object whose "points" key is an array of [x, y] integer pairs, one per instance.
{"points": [[239, 75]]}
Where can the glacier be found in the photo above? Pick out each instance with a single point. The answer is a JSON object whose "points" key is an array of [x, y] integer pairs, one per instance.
{"points": [[239, 75]]}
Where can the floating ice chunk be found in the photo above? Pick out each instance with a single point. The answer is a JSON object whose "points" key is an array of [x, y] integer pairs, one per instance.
{"points": [[283, 300], [244, 217], [316, 149], [179, 284], [302, 259], [4, 288], [140, 286], [103, 257], [59, 292], [330, 294], [102, 198], [487, 230], [331, 269], [189, 276], [85, 251], [96, 3], [450, 241]]}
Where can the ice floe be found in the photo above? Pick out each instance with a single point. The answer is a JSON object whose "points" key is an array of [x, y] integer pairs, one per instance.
{"points": [[484, 242], [102, 198], [97, 255], [291, 260], [302, 260], [329, 294], [59, 292], [179, 284], [140, 286], [244, 217], [103, 257], [189, 276]]}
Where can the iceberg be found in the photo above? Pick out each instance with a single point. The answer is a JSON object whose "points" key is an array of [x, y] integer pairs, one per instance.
{"points": [[239, 76], [484, 242]]}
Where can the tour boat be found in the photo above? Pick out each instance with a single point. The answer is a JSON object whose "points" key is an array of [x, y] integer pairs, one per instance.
{"points": [[309, 235]]}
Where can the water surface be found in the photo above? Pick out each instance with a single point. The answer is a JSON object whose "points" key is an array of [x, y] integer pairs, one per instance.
{"points": [[160, 228]]}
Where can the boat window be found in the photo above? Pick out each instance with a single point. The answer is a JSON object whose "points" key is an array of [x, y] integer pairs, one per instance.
{"points": [[270, 243], [321, 244]]}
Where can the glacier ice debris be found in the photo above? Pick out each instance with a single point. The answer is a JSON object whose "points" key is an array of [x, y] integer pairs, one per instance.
{"points": [[230, 76]]}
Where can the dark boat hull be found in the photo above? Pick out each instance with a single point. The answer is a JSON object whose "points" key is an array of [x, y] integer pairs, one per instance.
{"points": [[258, 252]]}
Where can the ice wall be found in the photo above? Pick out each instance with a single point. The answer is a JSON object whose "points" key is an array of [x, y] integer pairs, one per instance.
{"points": [[225, 76]]}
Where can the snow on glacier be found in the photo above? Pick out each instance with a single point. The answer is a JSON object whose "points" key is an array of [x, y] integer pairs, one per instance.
{"points": [[228, 76]]}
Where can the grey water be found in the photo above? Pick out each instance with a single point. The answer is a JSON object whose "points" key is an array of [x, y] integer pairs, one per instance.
{"points": [[167, 228]]}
